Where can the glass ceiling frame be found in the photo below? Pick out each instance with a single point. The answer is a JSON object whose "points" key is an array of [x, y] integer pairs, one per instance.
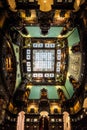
{"points": [[51, 48]]}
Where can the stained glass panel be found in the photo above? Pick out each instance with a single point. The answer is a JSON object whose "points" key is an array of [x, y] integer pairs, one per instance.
{"points": [[43, 60]]}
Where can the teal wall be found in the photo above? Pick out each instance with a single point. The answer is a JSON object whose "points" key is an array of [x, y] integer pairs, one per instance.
{"points": [[73, 37], [69, 88], [36, 32], [51, 90]]}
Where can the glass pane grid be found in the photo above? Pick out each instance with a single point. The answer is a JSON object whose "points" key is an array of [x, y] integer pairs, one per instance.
{"points": [[43, 60]]}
